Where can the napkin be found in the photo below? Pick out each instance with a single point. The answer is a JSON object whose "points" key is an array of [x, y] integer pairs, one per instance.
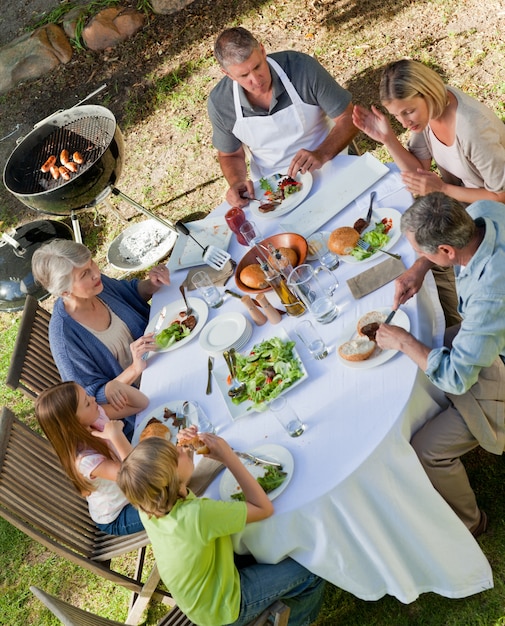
{"points": [[205, 472], [218, 277], [375, 277]]}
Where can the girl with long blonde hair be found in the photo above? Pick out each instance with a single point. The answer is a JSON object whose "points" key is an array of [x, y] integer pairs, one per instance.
{"points": [[91, 449]]}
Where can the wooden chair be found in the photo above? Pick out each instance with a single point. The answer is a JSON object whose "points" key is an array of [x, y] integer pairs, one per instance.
{"points": [[37, 497], [32, 367], [276, 615]]}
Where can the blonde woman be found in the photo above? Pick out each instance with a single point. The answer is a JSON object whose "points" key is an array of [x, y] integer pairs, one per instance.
{"points": [[463, 137]]}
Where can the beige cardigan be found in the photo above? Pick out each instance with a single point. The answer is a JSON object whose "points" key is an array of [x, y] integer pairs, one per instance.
{"points": [[480, 142]]}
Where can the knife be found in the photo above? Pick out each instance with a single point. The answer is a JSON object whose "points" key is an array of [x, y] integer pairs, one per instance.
{"points": [[210, 365], [157, 327], [256, 459], [390, 316]]}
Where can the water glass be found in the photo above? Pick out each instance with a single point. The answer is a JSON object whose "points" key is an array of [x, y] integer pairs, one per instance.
{"points": [[201, 280], [287, 416], [194, 415], [250, 233], [311, 340], [319, 246]]}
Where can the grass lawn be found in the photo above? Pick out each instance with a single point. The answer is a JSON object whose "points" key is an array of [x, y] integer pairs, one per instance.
{"points": [[165, 116]]}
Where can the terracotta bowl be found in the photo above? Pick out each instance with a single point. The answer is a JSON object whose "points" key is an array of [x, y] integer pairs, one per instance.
{"points": [[284, 240]]}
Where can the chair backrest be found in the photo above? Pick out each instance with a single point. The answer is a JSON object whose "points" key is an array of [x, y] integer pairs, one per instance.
{"points": [[37, 497], [69, 615], [32, 367]]}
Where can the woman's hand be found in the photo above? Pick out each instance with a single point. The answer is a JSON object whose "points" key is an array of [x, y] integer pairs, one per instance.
{"points": [[422, 182], [159, 276], [373, 123], [156, 278], [115, 394], [140, 347]]}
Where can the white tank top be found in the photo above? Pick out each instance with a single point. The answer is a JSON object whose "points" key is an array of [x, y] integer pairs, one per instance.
{"points": [[447, 157]]}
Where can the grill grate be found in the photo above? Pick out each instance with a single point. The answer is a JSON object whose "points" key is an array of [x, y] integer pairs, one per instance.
{"points": [[90, 136]]}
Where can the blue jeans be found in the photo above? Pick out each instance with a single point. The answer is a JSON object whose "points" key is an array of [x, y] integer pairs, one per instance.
{"points": [[262, 584], [129, 427], [126, 523]]}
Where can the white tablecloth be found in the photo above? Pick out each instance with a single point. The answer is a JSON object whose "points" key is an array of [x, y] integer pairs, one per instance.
{"points": [[359, 511]]}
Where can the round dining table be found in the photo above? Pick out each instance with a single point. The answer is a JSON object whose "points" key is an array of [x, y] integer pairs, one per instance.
{"points": [[359, 509]]}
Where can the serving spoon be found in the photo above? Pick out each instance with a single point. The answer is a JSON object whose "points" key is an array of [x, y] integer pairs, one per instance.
{"points": [[236, 386]]}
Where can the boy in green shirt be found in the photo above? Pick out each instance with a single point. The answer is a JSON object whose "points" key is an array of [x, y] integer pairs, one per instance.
{"points": [[191, 537]]}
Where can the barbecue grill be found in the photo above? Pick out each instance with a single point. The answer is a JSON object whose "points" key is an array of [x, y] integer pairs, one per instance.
{"points": [[91, 131], [16, 251]]}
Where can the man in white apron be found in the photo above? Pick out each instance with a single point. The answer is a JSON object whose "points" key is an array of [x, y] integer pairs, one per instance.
{"points": [[284, 111]]}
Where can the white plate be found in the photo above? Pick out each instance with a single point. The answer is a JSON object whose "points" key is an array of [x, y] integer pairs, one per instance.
{"points": [[287, 205], [201, 312], [141, 234], [379, 356], [344, 186], [268, 452], [173, 405], [394, 234], [223, 331], [210, 231], [244, 408], [313, 257]]}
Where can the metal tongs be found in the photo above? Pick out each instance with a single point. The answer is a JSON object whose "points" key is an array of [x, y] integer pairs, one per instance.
{"points": [[257, 460]]}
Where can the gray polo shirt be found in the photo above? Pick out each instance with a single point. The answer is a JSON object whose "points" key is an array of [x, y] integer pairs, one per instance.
{"points": [[312, 82]]}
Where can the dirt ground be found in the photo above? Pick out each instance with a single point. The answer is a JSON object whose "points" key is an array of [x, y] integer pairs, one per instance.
{"points": [[170, 166]]}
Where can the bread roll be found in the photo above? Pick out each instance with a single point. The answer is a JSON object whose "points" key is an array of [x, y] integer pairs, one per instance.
{"points": [[343, 240], [368, 325], [195, 444], [253, 276], [357, 349], [156, 429], [290, 254]]}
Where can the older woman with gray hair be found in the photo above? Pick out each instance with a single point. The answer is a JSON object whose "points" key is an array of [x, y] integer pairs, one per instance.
{"points": [[97, 326]]}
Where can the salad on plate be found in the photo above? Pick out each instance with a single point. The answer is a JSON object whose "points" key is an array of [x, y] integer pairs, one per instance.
{"points": [[269, 368], [377, 238]]}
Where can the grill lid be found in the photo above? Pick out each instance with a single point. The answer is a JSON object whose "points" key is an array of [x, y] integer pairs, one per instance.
{"points": [[16, 278]]}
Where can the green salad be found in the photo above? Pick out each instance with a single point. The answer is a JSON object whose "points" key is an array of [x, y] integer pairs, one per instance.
{"points": [[273, 478], [267, 370], [377, 238], [171, 334]]}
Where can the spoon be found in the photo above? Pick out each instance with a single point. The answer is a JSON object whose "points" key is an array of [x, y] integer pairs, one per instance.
{"points": [[236, 386]]}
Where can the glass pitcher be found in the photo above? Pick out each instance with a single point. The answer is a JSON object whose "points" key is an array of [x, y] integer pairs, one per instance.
{"points": [[315, 288]]}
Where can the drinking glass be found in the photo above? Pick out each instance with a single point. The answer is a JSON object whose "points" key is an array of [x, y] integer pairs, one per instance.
{"points": [[314, 291], [311, 340], [319, 246], [201, 280], [287, 416], [194, 415], [235, 217], [250, 233]]}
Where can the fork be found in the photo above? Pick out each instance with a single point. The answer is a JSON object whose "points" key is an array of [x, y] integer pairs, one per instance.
{"points": [[189, 310], [368, 248], [157, 328]]}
